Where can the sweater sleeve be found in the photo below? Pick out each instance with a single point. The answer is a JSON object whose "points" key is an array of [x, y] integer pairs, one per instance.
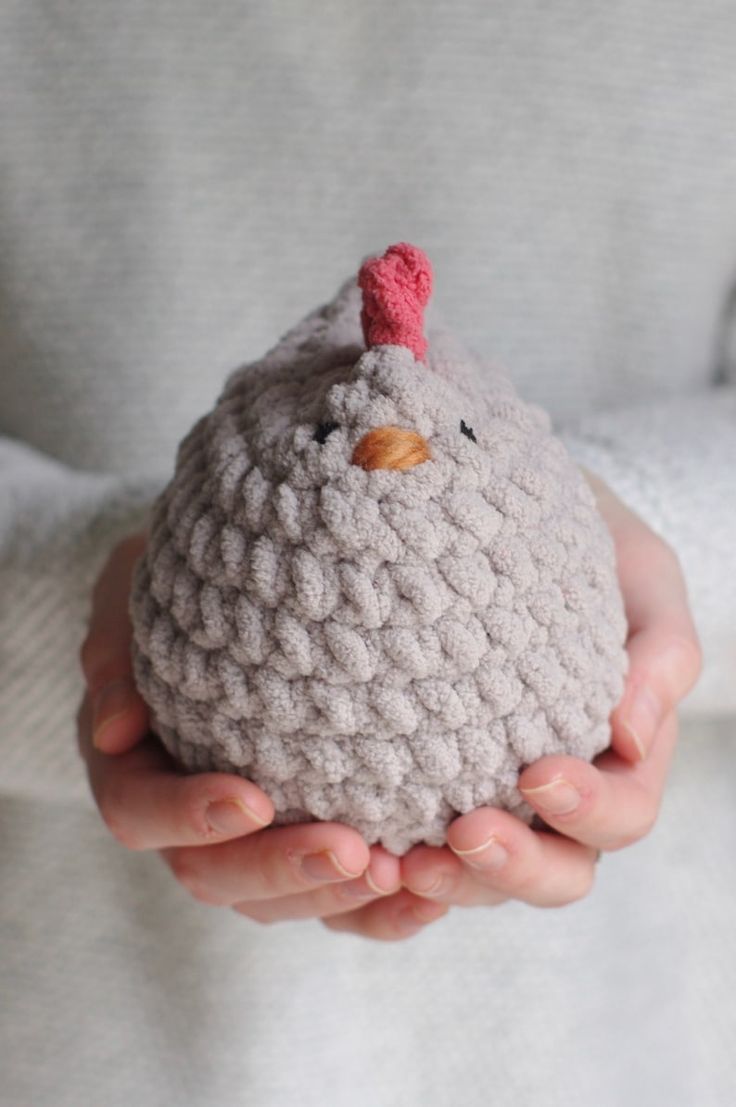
{"points": [[57, 526], [674, 463]]}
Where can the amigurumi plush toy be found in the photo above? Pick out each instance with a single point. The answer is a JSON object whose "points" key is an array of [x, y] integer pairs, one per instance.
{"points": [[377, 585]]}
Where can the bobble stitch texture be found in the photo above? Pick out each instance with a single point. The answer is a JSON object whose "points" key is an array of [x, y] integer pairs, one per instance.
{"points": [[386, 647]]}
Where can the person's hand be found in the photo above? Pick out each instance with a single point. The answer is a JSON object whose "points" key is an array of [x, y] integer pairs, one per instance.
{"points": [[620, 792], [209, 827], [492, 855]]}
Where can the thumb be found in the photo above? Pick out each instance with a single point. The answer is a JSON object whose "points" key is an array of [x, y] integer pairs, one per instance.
{"points": [[119, 716], [665, 657]]}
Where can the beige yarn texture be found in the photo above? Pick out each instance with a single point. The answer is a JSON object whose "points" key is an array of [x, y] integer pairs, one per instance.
{"points": [[384, 648]]}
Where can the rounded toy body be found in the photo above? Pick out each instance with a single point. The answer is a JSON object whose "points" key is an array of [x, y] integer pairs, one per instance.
{"points": [[377, 586]]}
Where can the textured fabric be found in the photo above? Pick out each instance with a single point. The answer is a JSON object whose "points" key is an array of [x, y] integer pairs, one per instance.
{"points": [[180, 182], [396, 288], [120, 989], [387, 648], [675, 464], [56, 527], [179, 186]]}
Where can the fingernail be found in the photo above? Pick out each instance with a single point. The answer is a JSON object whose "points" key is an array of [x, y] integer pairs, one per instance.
{"points": [[489, 855], [642, 719], [325, 866], [557, 798], [379, 891], [110, 703], [232, 817], [438, 887]]}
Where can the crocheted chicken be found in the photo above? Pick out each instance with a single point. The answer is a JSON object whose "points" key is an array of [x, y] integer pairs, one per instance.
{"points": [[377, 585]]}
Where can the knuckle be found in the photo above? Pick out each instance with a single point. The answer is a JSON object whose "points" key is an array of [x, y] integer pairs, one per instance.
{"points": [[675, 561], [251, 911], [643, 825], [133, 545], [200, 894], [517, 879], [359, 927], [192, 807], [206, 895], [525, 889], [278, 874], [180, 866], [690, 657], [697, 660], [110, 807], [583, 884], [186, 871], [580, 886], [647, 822], [399, 934], [98, 585], [664, 555], [342, 894], [337, 923], [88, 652], [99, 664], [82, 720], [686, 643], [644, 542], [666, 552]]}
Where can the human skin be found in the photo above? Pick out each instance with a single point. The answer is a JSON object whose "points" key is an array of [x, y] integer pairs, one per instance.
{"points": [[229, 856]]}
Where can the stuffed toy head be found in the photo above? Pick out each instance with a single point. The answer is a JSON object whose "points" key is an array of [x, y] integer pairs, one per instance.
{"points": [[377, 585]]}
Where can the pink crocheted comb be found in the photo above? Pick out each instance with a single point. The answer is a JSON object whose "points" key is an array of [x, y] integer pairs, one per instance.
{"points": [[396, 288]]}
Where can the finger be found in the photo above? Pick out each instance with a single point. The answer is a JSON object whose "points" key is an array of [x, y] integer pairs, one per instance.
{"points": [[381, 878], [665, 658], [120, 715], [609, 804], [438, 873], [389, 920], [493, 857], [147, 803], [280, 861]]}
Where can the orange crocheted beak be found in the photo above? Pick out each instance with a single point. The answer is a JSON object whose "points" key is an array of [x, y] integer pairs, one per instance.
{"points": [[390, 448]]}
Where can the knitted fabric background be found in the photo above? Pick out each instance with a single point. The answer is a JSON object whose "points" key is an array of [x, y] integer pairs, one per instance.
{"points": [[386, 648]]}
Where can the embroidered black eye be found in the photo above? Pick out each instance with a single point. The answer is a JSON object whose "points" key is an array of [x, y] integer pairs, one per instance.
{"points": [[323, 429], [467, 431]]}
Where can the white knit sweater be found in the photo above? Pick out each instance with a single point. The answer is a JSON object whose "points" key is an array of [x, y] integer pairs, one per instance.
{"points": [[179, 183]]}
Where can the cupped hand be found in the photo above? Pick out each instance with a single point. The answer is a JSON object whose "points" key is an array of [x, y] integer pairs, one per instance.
{"points": [[211, 829], [493, 856]]}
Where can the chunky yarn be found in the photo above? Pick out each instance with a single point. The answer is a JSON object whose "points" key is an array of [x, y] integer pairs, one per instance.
{"points": [[396, 288], [377, 586]]}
